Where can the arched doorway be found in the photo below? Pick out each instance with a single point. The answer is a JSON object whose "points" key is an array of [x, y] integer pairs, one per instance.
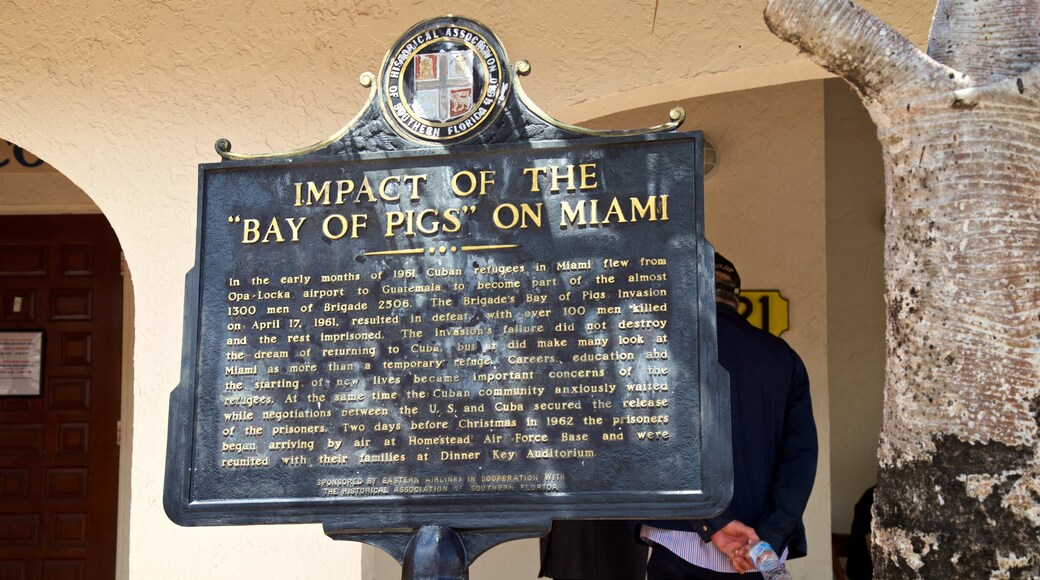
{"points": [[60, 280]]}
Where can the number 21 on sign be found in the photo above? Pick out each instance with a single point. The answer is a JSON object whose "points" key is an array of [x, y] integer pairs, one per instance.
{"points": [[765, 309]]}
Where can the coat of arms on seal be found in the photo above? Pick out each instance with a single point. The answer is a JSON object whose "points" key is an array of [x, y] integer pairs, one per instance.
{"points": [[443, 88], [444, 81]]}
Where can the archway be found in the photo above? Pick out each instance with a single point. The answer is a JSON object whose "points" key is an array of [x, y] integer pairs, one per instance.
{"points": [[61, 280]]}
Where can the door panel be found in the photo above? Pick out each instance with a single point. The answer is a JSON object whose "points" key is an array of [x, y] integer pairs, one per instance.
{"points": [[58, 457]]}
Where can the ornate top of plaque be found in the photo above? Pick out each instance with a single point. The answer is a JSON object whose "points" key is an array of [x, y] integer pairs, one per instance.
{"points": [[444, 81]]}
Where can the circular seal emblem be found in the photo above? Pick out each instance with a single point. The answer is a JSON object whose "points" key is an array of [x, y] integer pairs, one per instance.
{"points": [[444, 81]]}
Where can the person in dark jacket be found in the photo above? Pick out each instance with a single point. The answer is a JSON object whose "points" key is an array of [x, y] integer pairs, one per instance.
{"points": [[774, 455]]}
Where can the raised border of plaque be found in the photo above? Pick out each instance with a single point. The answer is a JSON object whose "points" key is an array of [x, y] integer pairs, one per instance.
{"points": [[454, 312]]}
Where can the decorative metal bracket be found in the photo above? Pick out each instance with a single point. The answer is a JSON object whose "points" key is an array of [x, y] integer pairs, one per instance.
{"points": [[435, 552], [523, 68], [223, 146]]}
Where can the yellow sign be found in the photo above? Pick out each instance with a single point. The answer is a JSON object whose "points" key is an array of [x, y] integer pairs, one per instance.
{"points": [[765, 309]]}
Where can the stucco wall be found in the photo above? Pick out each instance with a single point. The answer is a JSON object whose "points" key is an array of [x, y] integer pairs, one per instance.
{"points": [[41, 190], [855, 296]]}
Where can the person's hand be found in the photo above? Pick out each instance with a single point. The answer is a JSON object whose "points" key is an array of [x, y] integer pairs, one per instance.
{"points": [[733, 540]]}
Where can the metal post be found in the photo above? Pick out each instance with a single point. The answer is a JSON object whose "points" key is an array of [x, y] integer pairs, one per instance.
{"points": [[435, 553]]}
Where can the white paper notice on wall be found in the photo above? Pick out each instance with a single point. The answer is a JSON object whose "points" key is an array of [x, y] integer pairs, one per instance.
{"points": [[17, 306]]}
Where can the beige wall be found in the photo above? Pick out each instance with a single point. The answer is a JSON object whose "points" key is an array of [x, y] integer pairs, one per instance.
{"points": [[855, 297], [41, 190], [126, 99]]}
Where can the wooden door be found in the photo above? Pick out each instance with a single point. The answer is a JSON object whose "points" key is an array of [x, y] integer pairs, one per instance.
{"points": [[59, 458]]}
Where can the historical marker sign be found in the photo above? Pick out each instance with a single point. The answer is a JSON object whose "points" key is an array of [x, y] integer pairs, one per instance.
{"points": [[384, 332]]}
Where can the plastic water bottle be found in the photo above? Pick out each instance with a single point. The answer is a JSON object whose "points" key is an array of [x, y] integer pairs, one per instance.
{"points": [[767, 562]]}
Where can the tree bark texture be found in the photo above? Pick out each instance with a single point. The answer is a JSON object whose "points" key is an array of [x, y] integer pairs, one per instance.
{"points": [[959, 487]]}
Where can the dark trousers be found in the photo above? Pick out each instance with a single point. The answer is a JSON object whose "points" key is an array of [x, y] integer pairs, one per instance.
{"points": [[664, 565], [593, 550]]}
